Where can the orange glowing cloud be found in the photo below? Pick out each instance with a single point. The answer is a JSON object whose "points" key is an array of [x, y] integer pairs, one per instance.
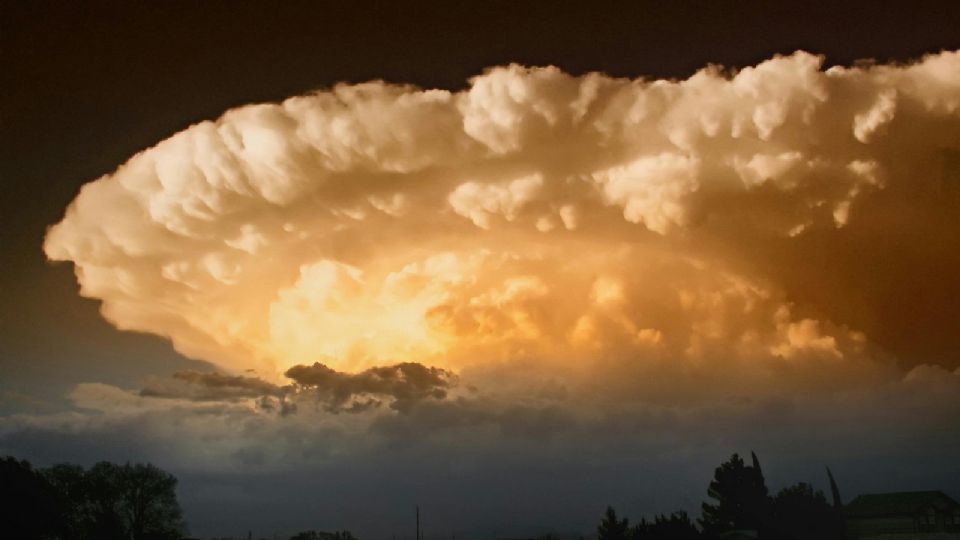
{"points": [[543, 217]]}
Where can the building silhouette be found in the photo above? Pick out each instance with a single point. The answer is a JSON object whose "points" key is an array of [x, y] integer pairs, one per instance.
{"points": [[912, 515]]}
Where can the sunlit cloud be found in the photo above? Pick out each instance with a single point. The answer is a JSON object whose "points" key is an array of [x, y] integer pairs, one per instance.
{"points": [[727, 234]]}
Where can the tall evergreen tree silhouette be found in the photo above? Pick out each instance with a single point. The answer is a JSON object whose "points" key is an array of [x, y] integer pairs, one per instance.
{"points": [[612, 528], [835, 492], [741, 500]]}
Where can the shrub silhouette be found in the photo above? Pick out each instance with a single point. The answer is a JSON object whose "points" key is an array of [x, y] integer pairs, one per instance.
{"points": [[676, 526]]}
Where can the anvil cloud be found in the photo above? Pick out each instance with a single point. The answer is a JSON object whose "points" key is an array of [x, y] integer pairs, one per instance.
{"points": [[777, 229]]}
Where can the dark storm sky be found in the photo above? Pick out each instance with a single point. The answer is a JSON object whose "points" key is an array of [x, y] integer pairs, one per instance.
{"points": [[85, 85]]}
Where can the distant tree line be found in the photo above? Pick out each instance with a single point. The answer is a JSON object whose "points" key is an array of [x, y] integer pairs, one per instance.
{"points": [[105, 502], [319, 535], [138, 502], [740, 507]]}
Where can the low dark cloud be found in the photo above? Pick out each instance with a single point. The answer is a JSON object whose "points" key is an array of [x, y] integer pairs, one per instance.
{"points": [[399, 386], [405, 384], [281, 405], [212, 386]]}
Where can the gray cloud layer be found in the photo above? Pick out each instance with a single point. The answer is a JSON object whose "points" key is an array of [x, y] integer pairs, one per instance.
{"points": [[517, 465], [209, 386]]}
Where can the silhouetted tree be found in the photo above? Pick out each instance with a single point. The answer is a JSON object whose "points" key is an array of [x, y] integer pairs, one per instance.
{"points": [[612, 528], [676, 526], [742, 501], [800, 513], [29, 506], [106, 502], [123, 501], [148, 502], [72, 487], [103, 498]]}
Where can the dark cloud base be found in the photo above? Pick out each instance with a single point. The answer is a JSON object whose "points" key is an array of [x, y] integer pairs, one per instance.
{"points": [[400, 386]]}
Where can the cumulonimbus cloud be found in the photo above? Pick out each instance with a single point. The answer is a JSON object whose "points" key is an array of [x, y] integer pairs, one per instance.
{"points": [[781, 224]]}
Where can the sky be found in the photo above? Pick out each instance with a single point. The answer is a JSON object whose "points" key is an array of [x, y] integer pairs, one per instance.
{"points": [[511, 262]]}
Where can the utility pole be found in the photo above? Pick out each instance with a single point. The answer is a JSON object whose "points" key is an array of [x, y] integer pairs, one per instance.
{"points": [[418, 522]]}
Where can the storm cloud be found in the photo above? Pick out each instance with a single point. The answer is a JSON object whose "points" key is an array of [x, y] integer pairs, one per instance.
{"points": [[541, 214], [584, 272]]}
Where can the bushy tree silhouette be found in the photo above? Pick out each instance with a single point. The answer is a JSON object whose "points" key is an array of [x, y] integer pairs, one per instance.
{"points": [[29, 506], [148, 502], [106, 502], [70, 484], [800, 513], [741, 499], [103, 499], [612, 528]]}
